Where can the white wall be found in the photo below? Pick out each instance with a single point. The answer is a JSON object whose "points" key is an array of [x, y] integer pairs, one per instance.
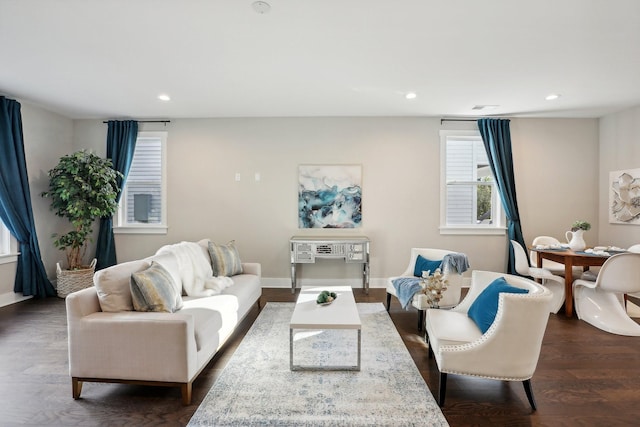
{"points": [[555, 160], [619, 150], [556, 163], [47, 136], [400, 160]]}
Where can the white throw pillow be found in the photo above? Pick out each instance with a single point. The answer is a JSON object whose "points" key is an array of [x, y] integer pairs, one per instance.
{"points": [[112, 285]]}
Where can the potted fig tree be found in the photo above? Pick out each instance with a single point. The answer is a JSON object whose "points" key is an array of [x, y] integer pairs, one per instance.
{"points": [[82, 188]]}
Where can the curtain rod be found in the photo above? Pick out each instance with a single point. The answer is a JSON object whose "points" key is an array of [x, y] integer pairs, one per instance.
{"points": [[457, 120], [147, 121]]}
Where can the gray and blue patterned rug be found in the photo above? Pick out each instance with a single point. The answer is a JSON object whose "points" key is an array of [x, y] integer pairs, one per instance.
{"points": [[257, 388]]}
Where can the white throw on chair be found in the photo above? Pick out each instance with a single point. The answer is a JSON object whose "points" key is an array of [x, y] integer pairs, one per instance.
{"points": [[553, 282], [510, 347], [601, 303], [450, 297]]}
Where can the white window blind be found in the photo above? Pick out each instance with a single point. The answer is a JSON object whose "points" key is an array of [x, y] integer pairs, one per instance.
{"points": [[143, 201]]}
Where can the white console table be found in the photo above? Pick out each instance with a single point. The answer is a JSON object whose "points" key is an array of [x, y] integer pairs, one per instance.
{"points": [[353, 250]]}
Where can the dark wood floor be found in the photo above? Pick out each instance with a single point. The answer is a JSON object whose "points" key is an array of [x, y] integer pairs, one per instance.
{"points": [[585, 377]]}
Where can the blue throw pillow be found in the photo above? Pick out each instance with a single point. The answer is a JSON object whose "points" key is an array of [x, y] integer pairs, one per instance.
{"points": [[484, 309], [424, 264]]}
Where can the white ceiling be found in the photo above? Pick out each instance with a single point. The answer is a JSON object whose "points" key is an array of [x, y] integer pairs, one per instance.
{"points": [[219, 58]]}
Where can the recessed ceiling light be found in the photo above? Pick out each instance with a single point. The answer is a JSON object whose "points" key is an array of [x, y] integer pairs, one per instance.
{"points": [[484, 107], [552, 96], [261, 7], [411, 95], [164, 97]]}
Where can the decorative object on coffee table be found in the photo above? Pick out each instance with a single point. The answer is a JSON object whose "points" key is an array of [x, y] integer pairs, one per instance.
{"points": [[326, 297], [433, 285]]}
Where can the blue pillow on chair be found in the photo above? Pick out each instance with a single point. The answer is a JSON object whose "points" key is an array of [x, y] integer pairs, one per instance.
{"points": [[484, 309], [424, 264]]}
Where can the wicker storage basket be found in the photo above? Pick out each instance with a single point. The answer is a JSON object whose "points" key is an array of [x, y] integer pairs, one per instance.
{"points": [[74, 280]]}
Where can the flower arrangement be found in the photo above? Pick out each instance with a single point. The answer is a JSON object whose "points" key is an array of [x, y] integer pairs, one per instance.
{"points": [[433, 286], [580, 225]]}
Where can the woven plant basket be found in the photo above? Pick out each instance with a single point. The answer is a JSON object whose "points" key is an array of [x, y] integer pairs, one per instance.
{"points": [[74, 280]]}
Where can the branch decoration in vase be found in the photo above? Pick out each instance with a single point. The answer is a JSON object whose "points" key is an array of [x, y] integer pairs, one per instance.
{"points": [[433, 285]]}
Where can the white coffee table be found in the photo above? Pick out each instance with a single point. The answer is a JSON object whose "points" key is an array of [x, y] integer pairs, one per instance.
{"points": [[342, 313]]}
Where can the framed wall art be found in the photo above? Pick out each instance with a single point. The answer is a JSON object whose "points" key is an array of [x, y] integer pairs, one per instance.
{"points": [[624, 197], [329, 196]]}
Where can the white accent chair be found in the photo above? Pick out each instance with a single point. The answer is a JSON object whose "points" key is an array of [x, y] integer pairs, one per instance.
{"points": [[510, 348], [553, 282], [601, 303], [450, 297]]}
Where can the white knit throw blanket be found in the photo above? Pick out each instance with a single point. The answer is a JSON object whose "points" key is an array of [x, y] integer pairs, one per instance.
{"points": [[195, 270]]}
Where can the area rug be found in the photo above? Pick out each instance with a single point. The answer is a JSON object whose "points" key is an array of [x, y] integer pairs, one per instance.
{"points": [[257, 388]]}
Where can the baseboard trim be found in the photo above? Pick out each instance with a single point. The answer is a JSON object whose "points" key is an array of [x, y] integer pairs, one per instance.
{"points": [[9, 298], [285, 282]]}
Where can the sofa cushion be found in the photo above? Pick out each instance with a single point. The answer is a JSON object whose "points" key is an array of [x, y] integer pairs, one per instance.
{"points": [[154, 290], [225, 260], [424, 264], [446, 327], [214, 316], [207, 324], [112, 285], [485, 307]]}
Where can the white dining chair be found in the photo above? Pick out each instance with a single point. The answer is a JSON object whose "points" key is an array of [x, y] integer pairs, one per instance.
{"points": [[592, 273], [601, 303], [552, 281], [636, 250], [552, 266]]}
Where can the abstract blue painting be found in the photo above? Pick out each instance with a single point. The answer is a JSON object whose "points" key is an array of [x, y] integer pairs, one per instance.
{"points": [[329, 196]]}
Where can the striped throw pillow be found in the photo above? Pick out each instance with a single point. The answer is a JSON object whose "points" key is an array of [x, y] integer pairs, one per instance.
{"points": [[153, 289], [225, 260]]}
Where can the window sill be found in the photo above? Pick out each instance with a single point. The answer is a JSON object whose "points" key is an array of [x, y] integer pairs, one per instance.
{"points": [[158, 229], [9, 258], [474, 231]]}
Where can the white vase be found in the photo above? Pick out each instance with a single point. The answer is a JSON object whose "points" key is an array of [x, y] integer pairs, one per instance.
{"points": [[576, 240]]}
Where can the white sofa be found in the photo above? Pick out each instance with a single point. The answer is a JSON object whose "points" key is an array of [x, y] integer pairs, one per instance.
{"points": [[111, 342]]}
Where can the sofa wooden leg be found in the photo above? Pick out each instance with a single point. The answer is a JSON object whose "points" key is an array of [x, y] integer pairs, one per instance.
{"points": [[186, 394], [388, 301], [76, 387], [442, 389], [420, 319], [529, 391]]}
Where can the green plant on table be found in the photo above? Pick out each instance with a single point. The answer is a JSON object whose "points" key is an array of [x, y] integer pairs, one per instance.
{"points": [[580, 225]]}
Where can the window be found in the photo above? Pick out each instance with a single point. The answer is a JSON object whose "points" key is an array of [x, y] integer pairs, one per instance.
{"points": [[8, 245], [4, 239], [470, 203], [143, 203]]}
